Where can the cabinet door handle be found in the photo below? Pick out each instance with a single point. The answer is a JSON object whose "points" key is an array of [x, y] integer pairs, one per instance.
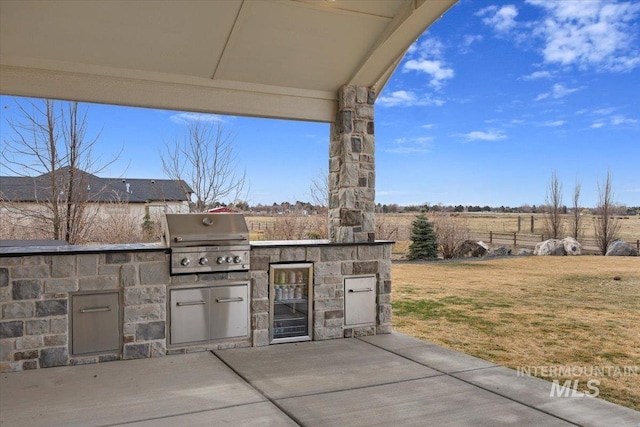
{"points": [[239, 299], [361, 290], [183, 303], [95, 309]]}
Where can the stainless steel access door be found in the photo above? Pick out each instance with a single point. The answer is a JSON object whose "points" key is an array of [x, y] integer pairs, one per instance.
{"points": [[229, 311], [360, 300], [95, 323], [190, 309]]}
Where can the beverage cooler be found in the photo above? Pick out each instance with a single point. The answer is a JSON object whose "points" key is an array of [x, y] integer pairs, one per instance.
{"points": [[290, 297]]}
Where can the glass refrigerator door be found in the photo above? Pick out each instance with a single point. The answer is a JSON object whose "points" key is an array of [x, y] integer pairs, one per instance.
{"points": [[290, 298]]}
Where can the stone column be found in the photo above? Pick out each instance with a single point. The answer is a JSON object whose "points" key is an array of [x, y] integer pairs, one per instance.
{"points": [[352, 168]]}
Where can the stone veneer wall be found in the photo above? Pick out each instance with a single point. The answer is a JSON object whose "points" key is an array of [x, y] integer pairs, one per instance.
{"points": [[352, 167], [35, 303], [331, 264]]}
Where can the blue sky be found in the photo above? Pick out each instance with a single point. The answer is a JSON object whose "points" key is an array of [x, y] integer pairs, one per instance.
{"points": [[486, 104]]}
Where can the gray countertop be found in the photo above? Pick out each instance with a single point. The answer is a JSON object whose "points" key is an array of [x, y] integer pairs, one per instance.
{"points": [[8, 251]]}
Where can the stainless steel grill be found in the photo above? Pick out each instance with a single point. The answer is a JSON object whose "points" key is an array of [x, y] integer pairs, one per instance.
{"points": [[207, 243]]}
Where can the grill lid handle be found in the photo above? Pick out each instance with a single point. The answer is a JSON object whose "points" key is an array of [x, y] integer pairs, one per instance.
{"points": [[218, 238]]}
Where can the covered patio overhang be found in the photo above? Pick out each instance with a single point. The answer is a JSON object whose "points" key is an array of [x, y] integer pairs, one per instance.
{"points": [[313, 60]]}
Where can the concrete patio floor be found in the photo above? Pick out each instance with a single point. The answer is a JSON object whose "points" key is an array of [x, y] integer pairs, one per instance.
{"points": [[381, 380]]}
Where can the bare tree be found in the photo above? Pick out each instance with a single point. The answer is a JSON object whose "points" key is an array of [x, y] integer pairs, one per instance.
{"points": [[204, 161], [289, 226], [607, 226], [120, 225], [386, 230], [553, 218], [319, 189], [49, 145], [576, 215], [451, 231]]}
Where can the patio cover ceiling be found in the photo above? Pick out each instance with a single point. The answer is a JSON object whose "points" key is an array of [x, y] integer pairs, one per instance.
{"points": [[280, 59]]}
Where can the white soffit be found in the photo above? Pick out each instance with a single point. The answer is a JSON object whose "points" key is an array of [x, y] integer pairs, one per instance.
{"points": [[279, 58]]}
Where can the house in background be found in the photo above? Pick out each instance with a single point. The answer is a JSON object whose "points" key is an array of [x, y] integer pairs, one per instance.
{"points": [[108, 199]]}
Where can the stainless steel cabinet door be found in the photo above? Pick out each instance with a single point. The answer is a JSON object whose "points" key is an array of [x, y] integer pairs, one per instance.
{"points": [[189, 315], [95, 323], [229, 311], [360, 300]]}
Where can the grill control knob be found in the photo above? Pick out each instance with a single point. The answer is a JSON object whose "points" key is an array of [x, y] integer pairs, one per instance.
{"points": [[203, 261], [237, 260], [185, 262], [229, 260], [220, 260]]}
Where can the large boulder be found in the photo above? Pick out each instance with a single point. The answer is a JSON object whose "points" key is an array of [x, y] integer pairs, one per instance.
{"points": [[550, 247], [501, 251], [525, 252], [621, 248], [484, 245], [572, 246], [470, 249]]}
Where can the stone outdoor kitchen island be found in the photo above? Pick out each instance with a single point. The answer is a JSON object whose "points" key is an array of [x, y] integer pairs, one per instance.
{"points": [[37, 284]]}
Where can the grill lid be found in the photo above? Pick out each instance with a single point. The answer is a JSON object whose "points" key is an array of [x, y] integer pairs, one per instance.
{"points": [[205, 229]]}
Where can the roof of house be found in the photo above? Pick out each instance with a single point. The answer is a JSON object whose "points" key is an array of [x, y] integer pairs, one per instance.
{"points": [[94, 188]]}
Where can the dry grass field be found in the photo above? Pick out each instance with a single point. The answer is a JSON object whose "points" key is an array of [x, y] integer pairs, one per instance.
{"points": [[397, 227], [531, 311], [480, 224], [508, 222]]}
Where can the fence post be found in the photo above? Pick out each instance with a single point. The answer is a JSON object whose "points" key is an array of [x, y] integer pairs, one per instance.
{"points": [[515, 239], [519, 223], [491, 237], [638, 245], [532, 224], [542, 237]]}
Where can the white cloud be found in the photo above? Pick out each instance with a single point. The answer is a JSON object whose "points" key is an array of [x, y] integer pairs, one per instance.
{"points": [[403, 98], [621, 120], [560, 90], [616, 120], [428, 126], [536, 75], [589, 34], [468, 40], [557, 91], [184, 118], [411, 145], [427, 57], [500, 19], [604, 111], [554, 123], [436, 69], [491, 135]]}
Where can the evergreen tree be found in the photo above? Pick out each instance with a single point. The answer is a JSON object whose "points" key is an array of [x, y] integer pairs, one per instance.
{"points": [[423, 239]]}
